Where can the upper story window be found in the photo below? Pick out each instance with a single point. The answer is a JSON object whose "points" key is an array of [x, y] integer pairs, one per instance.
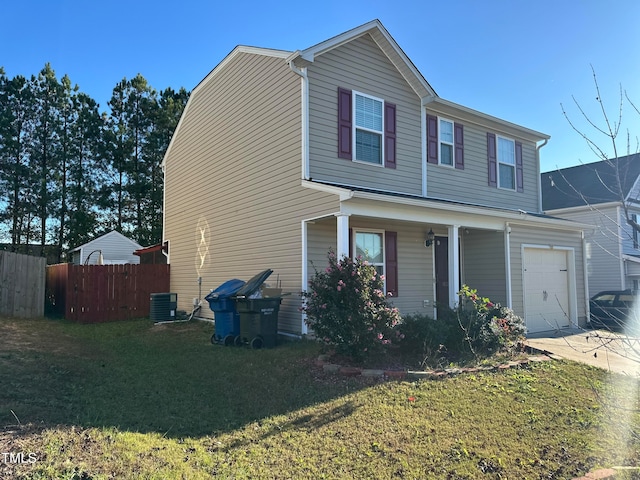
{"points": [[446, 142], [506, 163], [636, 241], [366, 128], [369, 121]]}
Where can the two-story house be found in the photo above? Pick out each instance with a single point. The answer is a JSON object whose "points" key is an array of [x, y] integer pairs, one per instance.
{"points": [[604, 194], [280, 156]]}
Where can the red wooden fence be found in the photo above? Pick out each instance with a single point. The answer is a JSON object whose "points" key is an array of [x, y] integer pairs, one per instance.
{"points": [[104, 293]]}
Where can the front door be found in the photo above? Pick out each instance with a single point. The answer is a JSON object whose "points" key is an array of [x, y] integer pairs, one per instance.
{"points": [[442, 270]]}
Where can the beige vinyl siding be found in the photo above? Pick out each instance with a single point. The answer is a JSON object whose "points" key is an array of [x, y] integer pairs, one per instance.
{"points": [[234, 201], [360, 65], [415, 261], [471, 185], [540, 236], [483, 259], [603, 251]]}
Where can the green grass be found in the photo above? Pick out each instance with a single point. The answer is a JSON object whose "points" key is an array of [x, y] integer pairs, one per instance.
{"points": [[133, 400]]}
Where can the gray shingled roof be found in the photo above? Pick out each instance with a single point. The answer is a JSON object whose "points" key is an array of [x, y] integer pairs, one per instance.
{"points": [[590, 183]]}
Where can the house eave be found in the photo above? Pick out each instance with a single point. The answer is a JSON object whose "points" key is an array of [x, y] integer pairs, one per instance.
{"points": [[469, 115], [581, 208], [512, 217], [387, 44]]}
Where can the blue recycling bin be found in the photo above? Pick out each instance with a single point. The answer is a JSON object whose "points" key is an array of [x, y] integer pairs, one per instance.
{"points": [[227, 318]]}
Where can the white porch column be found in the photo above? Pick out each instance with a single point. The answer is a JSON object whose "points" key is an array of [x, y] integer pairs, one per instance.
{"points": [[454, 265], [342, 220]]}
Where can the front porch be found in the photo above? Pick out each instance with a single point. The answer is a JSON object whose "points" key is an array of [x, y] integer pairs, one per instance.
{"points": [[531, 263]]}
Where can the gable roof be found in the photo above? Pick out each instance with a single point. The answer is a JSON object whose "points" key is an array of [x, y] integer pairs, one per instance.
{"points": [[591, 183], [112, 236], [386, 43]]}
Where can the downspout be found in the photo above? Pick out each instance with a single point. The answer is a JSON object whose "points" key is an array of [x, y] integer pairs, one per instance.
{"points": [[538, 147], [305, 272], [302, 72], [423, 142], [507, 261], [585, 273], [305, 116]]}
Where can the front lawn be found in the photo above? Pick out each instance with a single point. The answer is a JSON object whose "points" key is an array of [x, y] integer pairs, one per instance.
{"points": [[134, 400]]}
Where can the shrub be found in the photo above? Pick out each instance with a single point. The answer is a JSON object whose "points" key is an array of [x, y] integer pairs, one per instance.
{"points": [[478, 326], [426, 337], [489, 327], [346, 307]]}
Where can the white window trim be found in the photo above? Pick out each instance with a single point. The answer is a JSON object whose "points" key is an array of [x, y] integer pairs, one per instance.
{"points": [[384, 253], [512, 165], [356, 127], [453, 144]]}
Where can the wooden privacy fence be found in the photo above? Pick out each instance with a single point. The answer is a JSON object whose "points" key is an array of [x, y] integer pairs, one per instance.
{"points": [[22, 281], [104, 293]]}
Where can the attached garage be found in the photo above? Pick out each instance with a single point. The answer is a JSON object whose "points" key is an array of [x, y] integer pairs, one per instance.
{"points": [[549, 291]]}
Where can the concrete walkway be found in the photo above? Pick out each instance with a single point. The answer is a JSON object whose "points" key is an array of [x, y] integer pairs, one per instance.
{"points": [[608, 350]]}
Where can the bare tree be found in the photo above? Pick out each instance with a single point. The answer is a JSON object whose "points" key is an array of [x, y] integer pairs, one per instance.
{"points": [[613, 179], [617, 182]]}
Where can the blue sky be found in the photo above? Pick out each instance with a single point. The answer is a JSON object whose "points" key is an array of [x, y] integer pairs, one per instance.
{"points": [[514, 59]]}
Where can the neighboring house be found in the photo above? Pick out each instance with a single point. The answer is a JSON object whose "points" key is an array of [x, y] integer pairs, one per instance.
{"points": [[154, 254], [280, 156], [598, 194], [114, 247]]}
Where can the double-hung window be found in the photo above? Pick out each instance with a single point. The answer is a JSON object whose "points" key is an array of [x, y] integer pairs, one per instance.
{"points": [[368, 113], [445, 143], [366, 129], [370, 247], [506, 163]]}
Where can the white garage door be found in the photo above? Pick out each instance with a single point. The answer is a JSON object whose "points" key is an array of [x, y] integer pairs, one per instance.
{"points": [[546, 289]]}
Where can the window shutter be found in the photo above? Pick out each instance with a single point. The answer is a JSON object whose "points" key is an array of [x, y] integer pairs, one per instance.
{"points": [[391, 262], [519, 168], [389, 135], [344, 124], [350, 242], [432, 139], [458, 135], [492, 159]]}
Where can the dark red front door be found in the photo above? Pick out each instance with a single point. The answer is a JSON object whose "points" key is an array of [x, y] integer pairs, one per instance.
{"points": [[442, 270]]}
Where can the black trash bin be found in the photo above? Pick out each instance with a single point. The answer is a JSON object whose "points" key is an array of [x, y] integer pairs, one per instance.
{"points": [[258, 316], [226, 316]]}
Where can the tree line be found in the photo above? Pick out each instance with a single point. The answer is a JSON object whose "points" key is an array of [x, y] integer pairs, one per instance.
{"points": [[69, 172]]}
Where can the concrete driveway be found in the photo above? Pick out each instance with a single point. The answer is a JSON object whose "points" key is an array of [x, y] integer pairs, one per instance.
{"points": [[611, 351]]}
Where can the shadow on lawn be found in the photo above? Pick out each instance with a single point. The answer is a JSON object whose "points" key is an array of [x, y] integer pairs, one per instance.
{"points": [[167, 379]]}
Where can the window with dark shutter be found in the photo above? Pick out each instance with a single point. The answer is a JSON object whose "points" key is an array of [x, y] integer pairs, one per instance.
{"points": [[344, 124], [391, 260], [373, 141], [492, 160], [432, 139], [459, 141], [389, 135], [519, 168]]}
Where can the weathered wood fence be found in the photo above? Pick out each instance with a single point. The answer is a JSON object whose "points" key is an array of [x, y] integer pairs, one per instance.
{"points": [[22, 282], [104, 293]]}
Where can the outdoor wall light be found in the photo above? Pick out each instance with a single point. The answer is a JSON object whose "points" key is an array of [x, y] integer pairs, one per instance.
{"points": [[430, 236]]}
